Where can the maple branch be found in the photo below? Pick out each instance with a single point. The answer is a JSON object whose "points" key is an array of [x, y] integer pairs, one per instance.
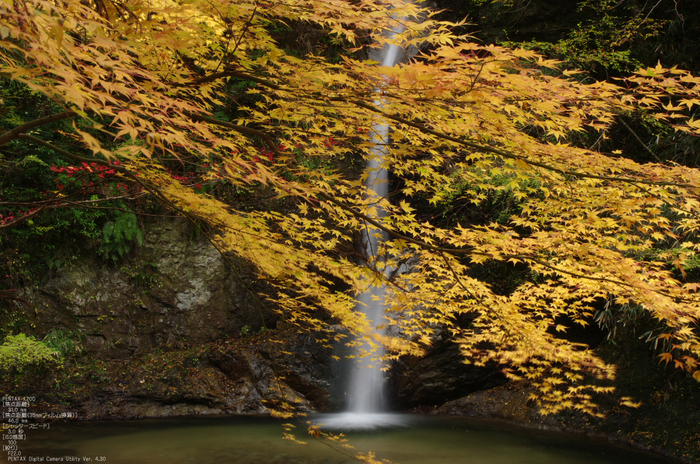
{"points": [[70, 155], [478, 298], [245, 29], [85, 204], [636, 137], [61, 203], [666, 202], [426, 130], [573, 274], [399, 236], [476, 76], [202, 80], [229, 73], [470, 250], [56, 203], [21, 218], [242, 129], [15, 133], [509, 155]]}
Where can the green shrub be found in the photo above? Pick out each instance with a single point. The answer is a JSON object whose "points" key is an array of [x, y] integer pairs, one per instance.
{"points": [[21, 355]]}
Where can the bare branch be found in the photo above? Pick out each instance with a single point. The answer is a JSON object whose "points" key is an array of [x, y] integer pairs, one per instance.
{"points": [[15, 133]]}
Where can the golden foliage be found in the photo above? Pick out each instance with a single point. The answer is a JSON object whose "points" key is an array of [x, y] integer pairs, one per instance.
{"points": [[467, 120]]}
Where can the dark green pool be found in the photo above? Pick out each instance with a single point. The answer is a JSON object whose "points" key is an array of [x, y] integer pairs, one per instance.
{"points": [[253, 440]]}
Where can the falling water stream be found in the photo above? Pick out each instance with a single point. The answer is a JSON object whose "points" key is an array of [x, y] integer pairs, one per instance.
{"points": [[366, 390], [366, 403]]}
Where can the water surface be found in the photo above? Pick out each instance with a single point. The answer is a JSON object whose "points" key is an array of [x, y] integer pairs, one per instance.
{"points": [[258, 440]]}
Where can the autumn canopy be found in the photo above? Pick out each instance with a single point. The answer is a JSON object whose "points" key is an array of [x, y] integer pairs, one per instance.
{"points": [[142, 84]]}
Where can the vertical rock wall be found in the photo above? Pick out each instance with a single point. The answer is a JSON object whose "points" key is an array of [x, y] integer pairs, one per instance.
{"points": [[175, 288]]}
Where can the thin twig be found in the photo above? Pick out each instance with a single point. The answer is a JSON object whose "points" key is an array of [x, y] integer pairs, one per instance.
{"points": [[636, 137]]}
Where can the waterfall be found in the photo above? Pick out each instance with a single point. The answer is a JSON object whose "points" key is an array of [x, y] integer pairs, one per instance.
{"points": [[366, 402], [366, 391]]}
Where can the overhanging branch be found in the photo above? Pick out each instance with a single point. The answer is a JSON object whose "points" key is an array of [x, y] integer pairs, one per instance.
{"points": [[238, 128], [443, 136], [17, 131]]}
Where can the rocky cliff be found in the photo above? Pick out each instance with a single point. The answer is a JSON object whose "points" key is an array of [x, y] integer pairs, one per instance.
{"points": [[175, 288]]}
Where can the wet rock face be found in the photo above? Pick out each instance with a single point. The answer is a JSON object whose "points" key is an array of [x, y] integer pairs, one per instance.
{"points": [[174, 288], [176, 295], [438, 377], [241, 377], [510, 402]]}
